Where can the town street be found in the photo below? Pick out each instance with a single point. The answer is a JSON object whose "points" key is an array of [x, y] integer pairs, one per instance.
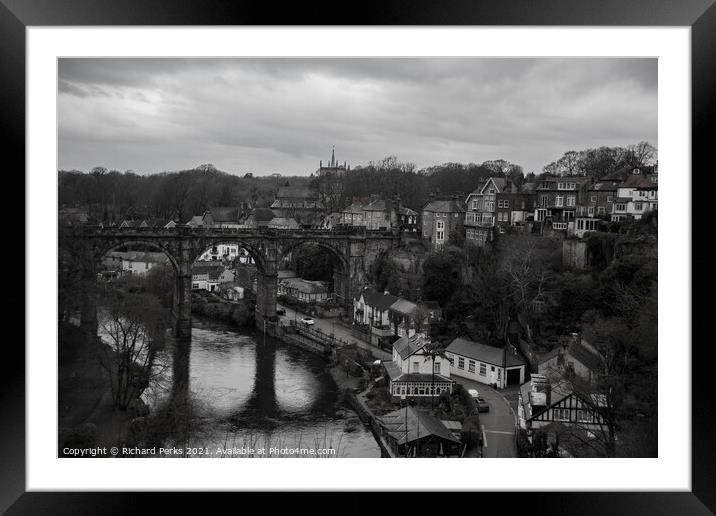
{"points": [[334, 326], [498, 423]]}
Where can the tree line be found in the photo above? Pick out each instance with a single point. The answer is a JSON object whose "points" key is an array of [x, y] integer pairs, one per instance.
{"points": [[112, 194]]}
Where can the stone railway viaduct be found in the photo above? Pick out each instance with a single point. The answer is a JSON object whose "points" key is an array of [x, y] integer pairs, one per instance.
{"points": [[353, 251]]}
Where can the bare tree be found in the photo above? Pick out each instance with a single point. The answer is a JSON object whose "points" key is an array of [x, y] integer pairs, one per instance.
{"points": [[135, 326]]}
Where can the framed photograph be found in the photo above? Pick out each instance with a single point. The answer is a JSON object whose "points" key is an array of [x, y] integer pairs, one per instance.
{"points": [[426, 235]]}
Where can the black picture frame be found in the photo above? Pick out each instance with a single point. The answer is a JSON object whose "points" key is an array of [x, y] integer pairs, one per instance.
{"points": [[700, 15]]}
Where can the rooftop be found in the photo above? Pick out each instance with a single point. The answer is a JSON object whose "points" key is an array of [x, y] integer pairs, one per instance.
{"points": [[406, 346], [419, 425], [379, 300], [444, 206], [506, 356]]}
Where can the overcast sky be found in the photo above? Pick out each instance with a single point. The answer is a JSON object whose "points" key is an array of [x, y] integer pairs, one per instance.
{"points": [[283, 115]]}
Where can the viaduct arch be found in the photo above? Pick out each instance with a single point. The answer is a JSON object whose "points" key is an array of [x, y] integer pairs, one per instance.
{"points": [[354, 250]]}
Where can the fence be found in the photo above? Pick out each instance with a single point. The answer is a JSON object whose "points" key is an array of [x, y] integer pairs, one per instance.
{"points": [[320, 336]]}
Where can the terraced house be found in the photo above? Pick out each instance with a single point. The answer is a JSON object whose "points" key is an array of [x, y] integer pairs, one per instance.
{"points": [[637, 195], [494, 205], [439, 219], [557, 199]]}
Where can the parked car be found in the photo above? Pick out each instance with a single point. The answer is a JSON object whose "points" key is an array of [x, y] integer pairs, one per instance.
{"points": [[280, 311], [473, 393], [308, 321], [482, 405]]}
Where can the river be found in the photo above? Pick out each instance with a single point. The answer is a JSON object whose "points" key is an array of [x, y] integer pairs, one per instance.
{"points": [[247, 393]]}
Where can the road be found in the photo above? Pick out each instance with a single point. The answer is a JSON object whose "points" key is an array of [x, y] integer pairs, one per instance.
{"points": [[498, 423], [333, 326]]}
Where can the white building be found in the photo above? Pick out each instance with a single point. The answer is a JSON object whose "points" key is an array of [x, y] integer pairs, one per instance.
{"points": [[133, 262], [208, 276], [220, 252], [411, 371], [638, 195], [486, 364]]}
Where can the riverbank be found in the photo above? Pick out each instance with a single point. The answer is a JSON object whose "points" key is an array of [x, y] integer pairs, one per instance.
{"points": [[86, 415]]}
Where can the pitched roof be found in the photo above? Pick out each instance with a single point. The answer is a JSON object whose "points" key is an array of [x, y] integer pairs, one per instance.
{"points": [[581, 351], [444, 206], [419, 425], [406, 211], [506, 356], [499, 182], [393, 369], [406, 346], [404, 306], [212, 269], [379, 300], [377, 205], [306, 286], [641, 181]]}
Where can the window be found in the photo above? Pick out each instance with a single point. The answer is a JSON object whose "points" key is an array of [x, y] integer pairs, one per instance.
{"points": [[560, 414], [437, 367], [601, 210], [609, 198], [471, 366], [620, 207], [559, 200], [583, 416], [460, 363], [638, 206], [593, 198], [483, 370], [474, 204], [571, 200], [194, 285], [590, 210]]}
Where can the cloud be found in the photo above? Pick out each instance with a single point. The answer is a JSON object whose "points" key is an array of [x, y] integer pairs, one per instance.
{"points": [[282, 115]]}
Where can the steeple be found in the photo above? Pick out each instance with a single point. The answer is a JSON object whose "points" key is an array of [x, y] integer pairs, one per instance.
{"points": [[333, 157]]}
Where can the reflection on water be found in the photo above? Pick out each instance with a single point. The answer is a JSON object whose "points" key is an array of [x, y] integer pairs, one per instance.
{"points": [[259, 394]]}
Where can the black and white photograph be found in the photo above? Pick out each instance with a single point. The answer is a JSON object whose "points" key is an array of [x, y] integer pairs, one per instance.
{"points": [[357, 257]]}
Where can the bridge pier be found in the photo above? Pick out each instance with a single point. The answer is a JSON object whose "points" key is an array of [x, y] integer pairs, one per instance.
{"points": [[266, 292]]}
